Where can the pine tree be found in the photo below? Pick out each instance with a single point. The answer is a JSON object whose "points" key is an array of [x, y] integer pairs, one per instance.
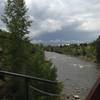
{"points": [[4, 42], [17, 22], [21, 59]]}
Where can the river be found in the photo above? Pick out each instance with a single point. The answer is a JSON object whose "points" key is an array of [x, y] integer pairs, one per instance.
{"points": [[78, 76]]}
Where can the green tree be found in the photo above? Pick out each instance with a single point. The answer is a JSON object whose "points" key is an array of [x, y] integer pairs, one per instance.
{"points": [[22, 58], [98, 50], [45, 70], [17, 22], [4, 43]]}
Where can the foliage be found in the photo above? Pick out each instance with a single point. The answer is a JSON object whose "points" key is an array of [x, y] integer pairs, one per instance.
{"points": [[4, 45], [17, 23], [84, 50], [43, 69], [97, 42], [16, 20]]}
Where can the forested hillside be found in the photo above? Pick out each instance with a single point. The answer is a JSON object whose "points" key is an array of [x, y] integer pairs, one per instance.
{"points": [[87, 51]]}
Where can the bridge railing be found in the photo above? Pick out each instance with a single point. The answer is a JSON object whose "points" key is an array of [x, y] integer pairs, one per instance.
{"points": [[27, 84]]}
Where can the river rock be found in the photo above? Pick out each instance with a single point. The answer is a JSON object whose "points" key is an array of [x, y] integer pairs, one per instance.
{"points": [[77, 89], [68, 97], [76, 97]]}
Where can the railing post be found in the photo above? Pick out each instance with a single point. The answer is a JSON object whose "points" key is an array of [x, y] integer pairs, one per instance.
{"points": [[27, 89]]}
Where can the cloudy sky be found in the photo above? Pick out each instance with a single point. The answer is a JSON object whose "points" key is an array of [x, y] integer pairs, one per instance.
{"points": [[62, 19]]}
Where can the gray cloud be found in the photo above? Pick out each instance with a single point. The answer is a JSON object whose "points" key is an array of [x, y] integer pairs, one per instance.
{"points": [[70, 34], [65, 19]]}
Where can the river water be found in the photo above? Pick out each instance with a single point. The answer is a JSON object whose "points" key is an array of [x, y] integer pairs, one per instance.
{"points": [[77, 76]]}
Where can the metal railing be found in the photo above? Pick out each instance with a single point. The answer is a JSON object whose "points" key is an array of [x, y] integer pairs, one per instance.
{"points": [[27, 85]]}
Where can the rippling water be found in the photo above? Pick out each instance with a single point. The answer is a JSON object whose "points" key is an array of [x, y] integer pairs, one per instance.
{"points": [[78, 76]]}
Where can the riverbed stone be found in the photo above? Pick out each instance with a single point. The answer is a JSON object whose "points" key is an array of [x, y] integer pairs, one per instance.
{"points": [[76, 97]]}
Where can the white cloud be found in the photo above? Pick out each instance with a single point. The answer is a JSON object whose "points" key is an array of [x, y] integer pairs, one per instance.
{"points": [[48, 25], [53, 15], [91, 25], [51, 25]]}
